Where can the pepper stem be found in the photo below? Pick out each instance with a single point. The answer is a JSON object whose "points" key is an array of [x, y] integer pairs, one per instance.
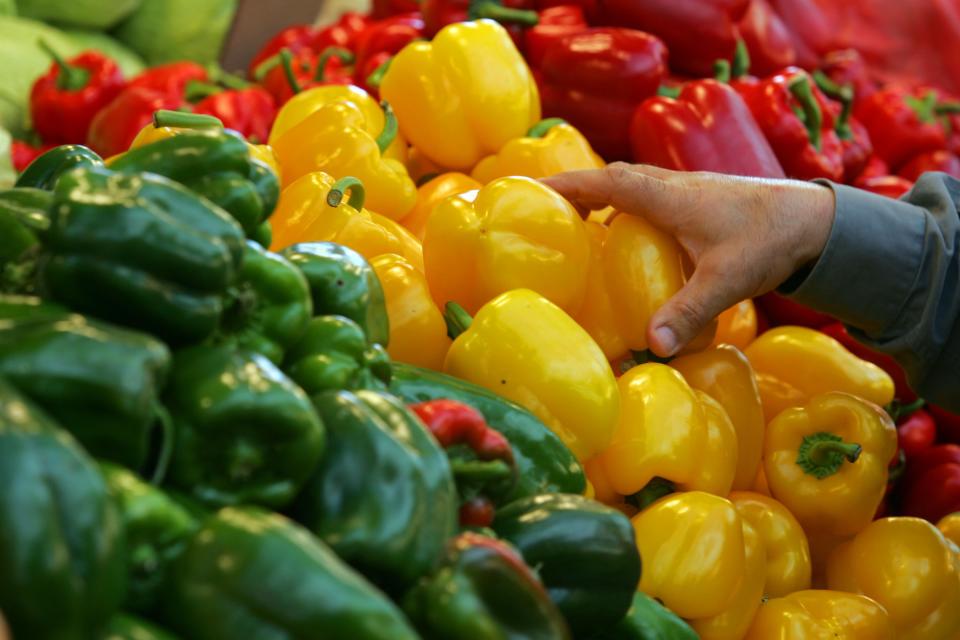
{"points": [[645, 356], [668, 92], [741, 60], [897, 410], [480, 471], [375, 78], [389, 132], [812, 116], [457, 319], [925, 107], [71, 77], [721, 71], [543, 127], [341, 54], [168, 118], [947, 108], [843, 93], [651, 492], [822, 454], [228, 80], [495, 11], [357, 193], [286, 59], [197, 90]]}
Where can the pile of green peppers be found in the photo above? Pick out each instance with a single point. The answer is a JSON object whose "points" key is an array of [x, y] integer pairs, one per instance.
{"points": [[202, 439]]}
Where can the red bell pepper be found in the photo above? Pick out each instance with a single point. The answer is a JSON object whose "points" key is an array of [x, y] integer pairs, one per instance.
{"points": [[875, 167], [595, 79], [889, 186], [813, 31], [780, 310], [342, 33], [289, 74], [707, 128], [387, 8], [697, 32], [480, 457], [855, 140], [170, 78], [297, 38], [940, 160], [948, 424], [902, 123], [250, 111], [916, 432], [23, 153], [381, 40], [846, 67], [934, 493], [64, 100], [116, 125], [838, 331], [552, 26], [767, 39], [510, 13]]}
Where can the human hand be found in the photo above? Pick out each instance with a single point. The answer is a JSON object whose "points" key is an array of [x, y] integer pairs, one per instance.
{"points": [[744, 236]]}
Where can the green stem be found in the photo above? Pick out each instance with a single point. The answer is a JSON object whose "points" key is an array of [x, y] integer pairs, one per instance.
{"points": [[813, 117], [341, 54], [375, 78], [668, 92], [925, 107], [495, 11], [389, 132], [842, 93], [168, 118], [286, 59], [654, 490], [822, 454], [341, 186], [721, 71], [457, 319], [166, 445], [543, 127], [70, 78], [645, 356], [197, 90], [228, 80], [480, 471], [265, 67], [896, 410], [947, 108], [741, 60]]}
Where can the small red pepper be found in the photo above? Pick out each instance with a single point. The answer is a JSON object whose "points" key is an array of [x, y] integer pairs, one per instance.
{"points": [[948, 424], [889, 186], [940, 160], [23, 153], [929, 458], [846, 67], [916, 432], [838, 332], [287, 74], [595, 79], [780, 310], [934, 493], [767, 39], [64, 100], [250, 111], [876, 166], [902, 123], [116, 125], [813, 31], [707, 128], [171, 78], [480, 457], [553, 25], [342, 33], [855, 140], [381, 40], [510, 13]]}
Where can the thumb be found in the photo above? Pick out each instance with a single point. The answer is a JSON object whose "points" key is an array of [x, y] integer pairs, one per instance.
{"points": [[688, 312]]}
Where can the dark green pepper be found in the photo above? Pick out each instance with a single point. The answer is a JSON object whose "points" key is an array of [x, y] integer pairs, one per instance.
{"points": [[483, 590], [61, 540], [126, 627], [585, 553], [333, 354], [244, 432], [47, 168], [158, 529], [253, 574], [263, 235], [647, 619], [382, 497], [24, 214], [343, 283], [99, 381], [142, 251], [546, 465], [268, 307]]}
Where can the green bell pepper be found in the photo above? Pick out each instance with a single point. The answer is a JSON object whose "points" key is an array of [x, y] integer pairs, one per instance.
{"points": [[647, 619], [546, 465], [61, 541], [253, 574], [158, 529], [585, 553], [343, 283], [382, 497], [244, 432], [46, 169], [142, 251], [23, 215], [263, 235], [99, 381], [126, 627], [333, 354], [483, 591], [269, 306]]}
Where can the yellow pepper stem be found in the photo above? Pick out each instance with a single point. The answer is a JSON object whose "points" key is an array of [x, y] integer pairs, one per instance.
{"points": [[341, 186], [543, 127], [457, 319], [389, 132], [822, 454], [343, 55], [654, 490], [168, 118]]}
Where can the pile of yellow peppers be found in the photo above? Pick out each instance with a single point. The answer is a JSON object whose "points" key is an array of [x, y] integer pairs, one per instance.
{"points": [[752, 466]]}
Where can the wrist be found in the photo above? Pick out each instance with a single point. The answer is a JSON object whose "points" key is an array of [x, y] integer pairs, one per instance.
{"points": [[815, 213]]}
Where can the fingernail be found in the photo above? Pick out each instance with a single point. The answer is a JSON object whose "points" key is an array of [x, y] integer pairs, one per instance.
{"points": [[667, 339]]}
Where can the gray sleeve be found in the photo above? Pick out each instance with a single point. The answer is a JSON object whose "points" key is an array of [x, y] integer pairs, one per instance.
{"points": [[891, 272]]}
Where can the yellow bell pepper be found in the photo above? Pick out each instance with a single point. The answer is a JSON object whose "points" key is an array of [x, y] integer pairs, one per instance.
{"points": [[821, 615], [787, 552], [431, 194], [908, 567], [418, 334], [695, 559], [311, 210], [760, 484], [525, 348], [596, 313], [827, 462], [815, 363], [737, 325], [777, 395], [517, 233], [464, 95], [603, 491], [949, 526], [420, 167], [551, 146], [725, 375], [668, 430]]}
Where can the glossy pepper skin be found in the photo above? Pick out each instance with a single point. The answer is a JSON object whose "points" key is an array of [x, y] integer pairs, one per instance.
{"points": [[431, 193], [126, 627], [931, 486], [23, 214], [476, 593], [821, 614], [47, 168], [553, 24], [827, 462], [916, 432], [525, 348], [23, 153], [101, 382], [815, 363], [237, 403], [544, 463], [463, 95], [249, 111], [62, 548], [383, 496], [902, 123], [839, 332], [217, 588], [516, 233], [342, 33], [596, 315], [511, 14], [707, 128], [382, 39], [940, 160], [909, 568], [65, 99], [585, 554], [595, 79], [116, 125], [737, 325], [949, 526], [646, 619], [157, 531]]}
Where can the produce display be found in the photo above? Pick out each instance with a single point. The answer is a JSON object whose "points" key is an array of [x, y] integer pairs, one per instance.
{"points": [[308, 351]]}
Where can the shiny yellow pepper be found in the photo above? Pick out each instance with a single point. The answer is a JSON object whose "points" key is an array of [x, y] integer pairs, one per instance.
{"points": [[821, 615], [430, 194], [312, 210], [418, 334], [516, 233], [949, 526], [596, 313], [525, 348], [551, 146], [814, 363], [668, 430], [827, 462], [463, 95], [907, 566], [777, 395], [737, 325]]}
